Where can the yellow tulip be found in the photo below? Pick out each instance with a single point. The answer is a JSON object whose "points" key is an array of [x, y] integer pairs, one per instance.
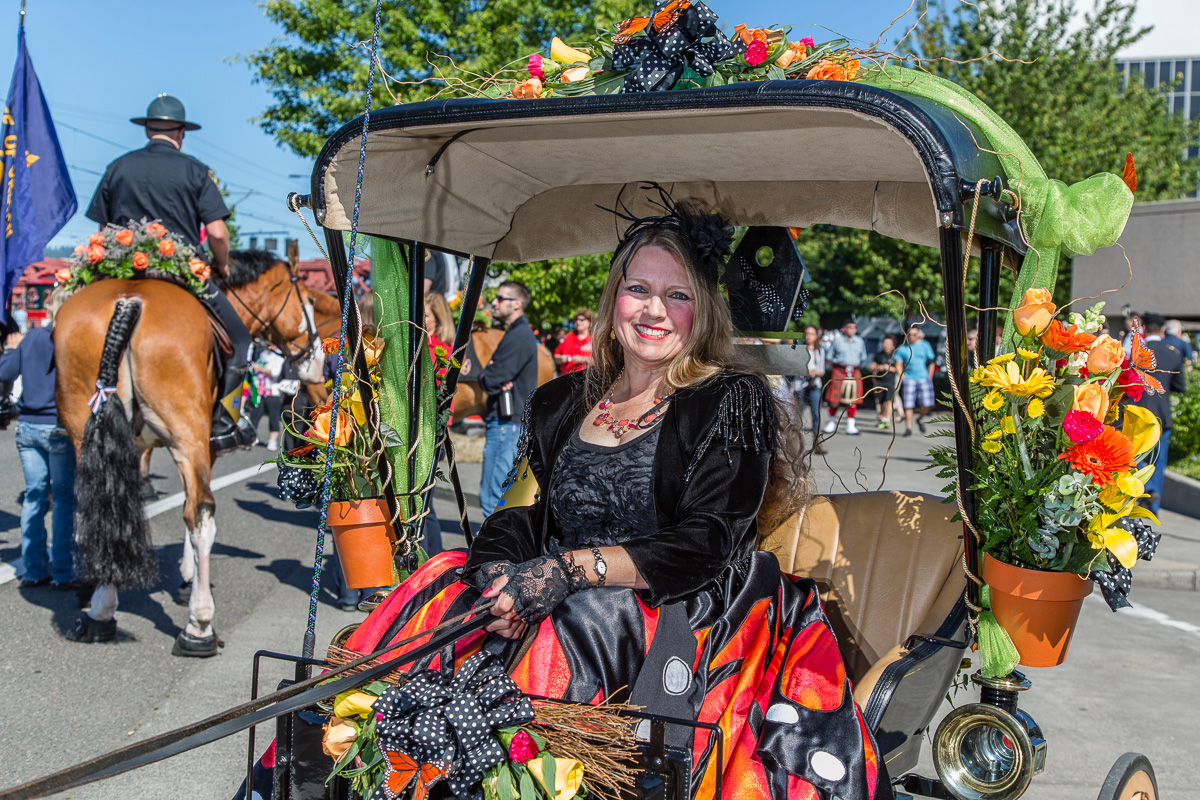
{"points": [[563, 54], [568, 776], [1142, 428], [993, 400], [353, 703]]}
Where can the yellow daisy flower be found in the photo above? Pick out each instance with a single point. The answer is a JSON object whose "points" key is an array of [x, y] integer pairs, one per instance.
{"points": [[994, 435], [1007, 425], [1036, 408], [991, 447], [1029, 354], [1007, 378], [993, 401]]}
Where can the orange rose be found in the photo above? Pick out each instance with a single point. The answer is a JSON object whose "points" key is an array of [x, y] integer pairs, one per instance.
{"points": [[573, 74], [852, 69], [319, 430], [372, 347], [96, 239], [140, 260], [80, 250], [528, 90], [796, 51], [124, 237], [166, 248], [339, 735], [156, 230], [1091, 398], [95, 253], [199, 269], [1105, 356], [63, 275], [827, 70], [749, 35], [1035, 312]]}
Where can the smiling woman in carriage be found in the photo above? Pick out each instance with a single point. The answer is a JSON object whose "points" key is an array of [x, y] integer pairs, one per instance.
{"points": [[632, 574]]}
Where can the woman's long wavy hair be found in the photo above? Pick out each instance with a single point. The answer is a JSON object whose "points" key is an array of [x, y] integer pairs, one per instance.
{"points": [[707, 352], [443, 320]]}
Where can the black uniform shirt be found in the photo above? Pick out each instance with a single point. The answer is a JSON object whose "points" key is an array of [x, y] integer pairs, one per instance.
{"points": [[515, 360], [159, 182]]}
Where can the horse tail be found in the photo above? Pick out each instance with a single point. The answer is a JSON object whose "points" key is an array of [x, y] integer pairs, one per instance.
{"points": [[112, 534]]}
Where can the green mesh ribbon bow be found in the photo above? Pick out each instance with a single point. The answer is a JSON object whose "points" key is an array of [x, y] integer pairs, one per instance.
{"points": [[1056, 219]]}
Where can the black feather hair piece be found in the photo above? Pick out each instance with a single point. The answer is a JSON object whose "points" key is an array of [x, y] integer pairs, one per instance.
{"points": [[710, 236]]}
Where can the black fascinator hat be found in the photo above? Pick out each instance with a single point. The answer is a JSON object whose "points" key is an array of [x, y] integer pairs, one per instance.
{"points": [[709, 237]]}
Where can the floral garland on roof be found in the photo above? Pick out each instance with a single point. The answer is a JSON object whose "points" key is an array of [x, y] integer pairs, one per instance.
{"points": [[677, 46]]}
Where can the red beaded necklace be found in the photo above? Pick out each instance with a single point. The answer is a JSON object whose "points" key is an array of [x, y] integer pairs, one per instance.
{"points": [[619, 428]]}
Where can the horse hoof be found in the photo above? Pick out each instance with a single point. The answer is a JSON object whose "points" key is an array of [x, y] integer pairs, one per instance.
{"points": [[189, 646], [148, 490], [89, 631]]}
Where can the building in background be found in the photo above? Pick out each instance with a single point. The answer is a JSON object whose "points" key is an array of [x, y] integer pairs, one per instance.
{"points": [[1180, 73]]}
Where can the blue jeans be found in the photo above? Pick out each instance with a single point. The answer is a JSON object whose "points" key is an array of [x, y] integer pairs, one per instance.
{"points": [[499, 454], [48, 459], [1155, 484]]}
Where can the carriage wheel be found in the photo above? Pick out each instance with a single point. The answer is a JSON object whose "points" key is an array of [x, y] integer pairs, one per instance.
{"points": [[1131, 778]]}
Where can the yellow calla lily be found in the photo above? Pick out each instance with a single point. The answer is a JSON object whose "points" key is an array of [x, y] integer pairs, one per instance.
{"points": [[353, 703], [1121, 493], [1142, 428], [1141, 512], [568, 776], [356, 408], [1117, 541], [563, 54]]}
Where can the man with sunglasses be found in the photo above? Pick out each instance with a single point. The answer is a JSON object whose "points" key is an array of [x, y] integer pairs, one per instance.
{"points": [[508, 379]]}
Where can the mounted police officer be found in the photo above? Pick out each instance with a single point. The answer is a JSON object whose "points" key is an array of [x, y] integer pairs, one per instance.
{"points": [[159, 182]]}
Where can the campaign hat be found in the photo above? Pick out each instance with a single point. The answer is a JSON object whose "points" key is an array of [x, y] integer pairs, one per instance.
{"points": [[165, 108]]}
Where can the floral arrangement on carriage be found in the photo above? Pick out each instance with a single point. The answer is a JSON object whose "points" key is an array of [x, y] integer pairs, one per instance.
{"points": [[358, 513], [144, 249], [1056, 478], [478, 733]]}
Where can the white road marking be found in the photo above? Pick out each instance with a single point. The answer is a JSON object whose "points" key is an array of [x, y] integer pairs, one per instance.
{"points": [[1142, 612], [14, 569]]}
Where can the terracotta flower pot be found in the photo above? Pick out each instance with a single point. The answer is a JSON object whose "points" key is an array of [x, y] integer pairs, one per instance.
{"points": [[363, 536], [1038, 609]]}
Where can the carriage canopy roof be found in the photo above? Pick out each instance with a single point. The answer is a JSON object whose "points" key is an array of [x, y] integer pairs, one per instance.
{"points": [[521, 180]]}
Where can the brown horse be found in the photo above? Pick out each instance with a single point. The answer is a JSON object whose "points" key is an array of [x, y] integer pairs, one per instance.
{"points": [[165, 379], [469, 400]]}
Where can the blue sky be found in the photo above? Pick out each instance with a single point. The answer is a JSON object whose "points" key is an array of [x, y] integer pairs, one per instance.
{"points": [[101, 63]]}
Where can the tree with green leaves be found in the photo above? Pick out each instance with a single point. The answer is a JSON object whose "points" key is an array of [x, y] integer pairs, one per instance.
{"points": [[317, 72], [560, 286], [1054, 81]]}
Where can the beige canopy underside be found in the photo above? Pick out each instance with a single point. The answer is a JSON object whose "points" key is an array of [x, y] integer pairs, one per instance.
{"points": [[527, 189]]}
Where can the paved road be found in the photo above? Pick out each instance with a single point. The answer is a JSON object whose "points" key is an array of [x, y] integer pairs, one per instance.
{"points": [[1127, 686]]}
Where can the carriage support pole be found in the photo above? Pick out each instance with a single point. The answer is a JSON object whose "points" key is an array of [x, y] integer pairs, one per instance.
{"points": [[956, 357], [989, 298]]}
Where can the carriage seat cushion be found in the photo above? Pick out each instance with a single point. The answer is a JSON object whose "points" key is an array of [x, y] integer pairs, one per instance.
{"points": [[886, 563]]}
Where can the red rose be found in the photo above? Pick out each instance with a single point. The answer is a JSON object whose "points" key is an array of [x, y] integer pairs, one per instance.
{"points": [[140, 260], [1131, 383], [522, 747], [756, 53], [1081, 427]]}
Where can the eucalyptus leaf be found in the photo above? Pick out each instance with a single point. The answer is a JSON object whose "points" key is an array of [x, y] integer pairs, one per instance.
{"points": [[528, 787], [776, 73], [548, 770]]}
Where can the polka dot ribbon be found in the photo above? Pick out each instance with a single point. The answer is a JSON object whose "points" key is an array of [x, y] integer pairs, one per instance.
{"points": [[1116, 583], [102, 394], [433, 719], [657, 60]]}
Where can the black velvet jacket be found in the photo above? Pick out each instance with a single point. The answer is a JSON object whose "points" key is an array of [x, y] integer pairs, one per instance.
{"points": [[711, 468]]}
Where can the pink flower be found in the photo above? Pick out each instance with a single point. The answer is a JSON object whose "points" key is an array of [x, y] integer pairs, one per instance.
{"points": [[1081, 427], [1131, 383], [756, 53], [535, 67], [807, 41], [522, 747]]}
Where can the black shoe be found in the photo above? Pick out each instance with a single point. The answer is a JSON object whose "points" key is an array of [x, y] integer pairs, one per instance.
{"points": [[908, 431], [89, 631], [188, 646], [30, 583], [921, 425], [228, 436], [67, 586]]}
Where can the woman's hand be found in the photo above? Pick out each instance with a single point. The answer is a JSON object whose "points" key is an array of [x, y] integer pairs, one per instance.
{"points": [[507, 624]]}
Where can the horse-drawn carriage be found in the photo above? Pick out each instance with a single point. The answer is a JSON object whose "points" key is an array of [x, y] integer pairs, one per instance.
{"points": [[525, 180]]}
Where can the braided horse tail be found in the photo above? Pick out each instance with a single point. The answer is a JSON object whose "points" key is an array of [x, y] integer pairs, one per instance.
{"points": [[112, 534]]}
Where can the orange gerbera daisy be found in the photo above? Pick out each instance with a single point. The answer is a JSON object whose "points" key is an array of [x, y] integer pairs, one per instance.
{"points": [[331, 345], [1067, 340], [1102, 458]]}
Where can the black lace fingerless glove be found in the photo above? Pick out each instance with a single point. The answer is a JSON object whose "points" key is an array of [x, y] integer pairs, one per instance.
{"points": [[483, 576], [537, 586]]}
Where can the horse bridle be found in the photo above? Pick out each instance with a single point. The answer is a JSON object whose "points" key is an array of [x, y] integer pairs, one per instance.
{"points": [[269, 325]]}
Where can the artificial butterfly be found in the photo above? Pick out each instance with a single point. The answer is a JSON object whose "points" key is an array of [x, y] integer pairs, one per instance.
{"points": [[662, 20], [1142, 361], [670, 14], [399, 770], [630, 28], [1130, 174]]}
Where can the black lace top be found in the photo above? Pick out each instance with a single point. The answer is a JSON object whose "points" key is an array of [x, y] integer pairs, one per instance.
{"points": [[602, 496]]}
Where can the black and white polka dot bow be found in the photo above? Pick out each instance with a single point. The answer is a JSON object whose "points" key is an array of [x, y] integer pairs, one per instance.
{"points": [[1116, 583], [656, 61], [432, 719]]}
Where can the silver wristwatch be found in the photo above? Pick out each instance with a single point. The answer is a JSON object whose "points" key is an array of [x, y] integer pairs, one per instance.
{"points": [[601, 567]]}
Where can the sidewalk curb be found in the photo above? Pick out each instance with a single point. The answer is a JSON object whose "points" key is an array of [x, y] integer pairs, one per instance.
{"points": [[1181, 494], [1182, 580]]}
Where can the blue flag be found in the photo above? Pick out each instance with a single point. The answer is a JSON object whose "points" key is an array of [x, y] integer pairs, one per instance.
{"points": [[36, 196]]}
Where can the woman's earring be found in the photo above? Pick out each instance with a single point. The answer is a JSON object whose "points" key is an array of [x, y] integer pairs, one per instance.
{"points": [[612, 334]]}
